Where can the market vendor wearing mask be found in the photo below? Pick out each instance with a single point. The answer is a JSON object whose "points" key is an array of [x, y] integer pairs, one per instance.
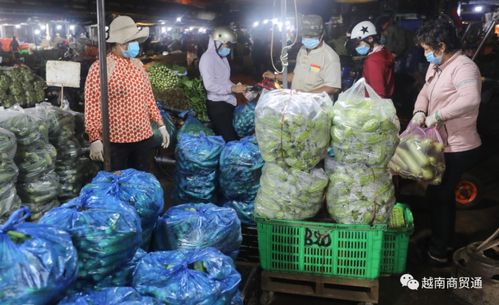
{"points": [[318, 66], [379, 63], [215, 72], [132, 107], [449, 100]]}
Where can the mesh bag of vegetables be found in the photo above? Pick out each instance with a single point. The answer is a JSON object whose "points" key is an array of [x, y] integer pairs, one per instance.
{"points": [[293, 128], [139, 189], [240, 169], [109, 296], [244, 119], [365, 129], [196, 168], [244, 211], [188, 277], [193, 127], [124, 276], [198, 225], [38, 262], [288, 193], [420, 155], [105, 231], [358, 194]]}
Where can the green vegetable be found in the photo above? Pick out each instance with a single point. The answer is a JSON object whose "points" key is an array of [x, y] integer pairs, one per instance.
{"points": [[19, 85], [196, 96], [162, 78]]}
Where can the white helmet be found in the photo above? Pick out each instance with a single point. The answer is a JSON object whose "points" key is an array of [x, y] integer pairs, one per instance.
{"points": [[363, 30], [224, 35]]}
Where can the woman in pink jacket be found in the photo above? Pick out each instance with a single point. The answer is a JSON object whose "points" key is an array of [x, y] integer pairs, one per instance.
{"points": [[449, 100]]}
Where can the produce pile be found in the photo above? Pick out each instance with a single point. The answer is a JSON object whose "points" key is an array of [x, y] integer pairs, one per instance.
{"points": [[196, 168], [188, 277], [109, 296], [194, 127], [162, 78], [240, 170], [139, 189], [364, 138], [9, 201], [419, 156], [288, 193], [105, 231], [244, 119], [293, 129], [198, 226], [196, 96], [38, 261], [19, 85]]}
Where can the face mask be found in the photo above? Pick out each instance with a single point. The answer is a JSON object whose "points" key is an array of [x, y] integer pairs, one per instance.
{"points": [[132, 51], [310, 43], [224, 52], [362, 50], [432, 59]]}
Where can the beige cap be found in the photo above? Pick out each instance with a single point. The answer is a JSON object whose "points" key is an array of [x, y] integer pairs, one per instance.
{"points": [[123, 29]]}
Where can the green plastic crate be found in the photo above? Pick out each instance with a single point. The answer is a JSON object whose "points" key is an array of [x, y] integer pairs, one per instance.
{"points": [[352, 251], [395, 246]]}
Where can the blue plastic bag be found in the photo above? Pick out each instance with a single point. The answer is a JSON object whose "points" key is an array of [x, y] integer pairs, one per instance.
{"points": [[244, 211], [105, 231], [196, 226], [139, 189], [192, 126], [244, 119], [37, 262], [240, 170], [196, 168], [168, 121], [188, 277], [122, 277], [110, 296]]}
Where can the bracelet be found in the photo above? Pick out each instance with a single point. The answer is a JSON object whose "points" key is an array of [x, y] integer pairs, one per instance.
{"points": [[418, 112]]}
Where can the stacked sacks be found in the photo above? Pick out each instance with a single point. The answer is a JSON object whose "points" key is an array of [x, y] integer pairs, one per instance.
{"points": [[124, 276], [188, 277], [38, 262], [139, 189], [240, 170], [9, 201], [293, 133], [105, 231], [244, 119], [364, 136], [197, 226], [110, 296]]}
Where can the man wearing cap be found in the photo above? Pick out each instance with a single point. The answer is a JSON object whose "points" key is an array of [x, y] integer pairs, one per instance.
{"points": [[318, 66], [132, 107]]}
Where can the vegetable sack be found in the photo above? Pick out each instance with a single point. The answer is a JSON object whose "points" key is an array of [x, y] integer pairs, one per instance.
{"points": [[9, 201], [193, 127], [244, 211], [365, 129], [197, 226], [288, 193], [105, 231], [188, 277], [420, 155], [122, 277], [293, 128], [38, 262], [110, 296], [244, 119]]}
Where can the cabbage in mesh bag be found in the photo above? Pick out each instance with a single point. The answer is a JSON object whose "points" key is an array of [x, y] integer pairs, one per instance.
{"points": [[188, 277], [109, 296], [139, 189], [244, 119], [358, 194], [287, 193], [38, 262], [197, 226], [293, 128], [105, 231], [240, 169], [365, 129]]}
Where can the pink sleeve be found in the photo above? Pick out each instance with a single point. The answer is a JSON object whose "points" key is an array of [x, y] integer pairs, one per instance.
{"points": [[467, 81]]}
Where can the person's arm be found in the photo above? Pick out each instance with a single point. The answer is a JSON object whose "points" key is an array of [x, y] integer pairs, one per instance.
{"points": [[467, 81], [328, 89], [210, 83], [331, 74], [279, 76], [93, 124]]}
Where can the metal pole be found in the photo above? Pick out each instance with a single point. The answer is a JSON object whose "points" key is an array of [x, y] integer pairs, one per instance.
{"points": [[101, 23], [487, 34], [284, 51]]}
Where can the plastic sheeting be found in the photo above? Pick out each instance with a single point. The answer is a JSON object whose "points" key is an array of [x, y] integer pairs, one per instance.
{"points": [[38, 262], [105, 231], [188, 277], [244, 211], [9, 201], [196, 226]]}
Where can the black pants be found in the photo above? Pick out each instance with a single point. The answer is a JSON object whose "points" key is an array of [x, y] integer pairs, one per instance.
{"points": [[442, 200], [136, 155], [221, 115]]}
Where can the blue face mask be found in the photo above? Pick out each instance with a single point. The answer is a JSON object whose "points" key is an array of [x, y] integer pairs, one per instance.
{"points": [[432, 59], [310, 43], [132, 51], [362, 50], [224, 52]]}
